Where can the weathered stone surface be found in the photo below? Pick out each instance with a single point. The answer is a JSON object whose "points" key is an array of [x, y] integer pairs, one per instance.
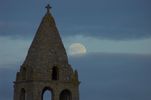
{"points": [[46, 67]]}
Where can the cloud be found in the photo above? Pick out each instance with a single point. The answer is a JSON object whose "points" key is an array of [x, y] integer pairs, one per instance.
{"points": [[13, 50], [92, 45]]}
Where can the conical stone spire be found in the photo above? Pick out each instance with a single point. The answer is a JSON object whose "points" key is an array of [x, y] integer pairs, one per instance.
{"points": [[47, 47], [46, 67]]}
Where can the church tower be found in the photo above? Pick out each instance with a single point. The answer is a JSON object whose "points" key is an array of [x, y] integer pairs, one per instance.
{"points": [[46, 67]]}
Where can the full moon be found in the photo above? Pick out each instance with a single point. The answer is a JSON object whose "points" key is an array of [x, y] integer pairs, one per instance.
{"points": [[77, 49]]}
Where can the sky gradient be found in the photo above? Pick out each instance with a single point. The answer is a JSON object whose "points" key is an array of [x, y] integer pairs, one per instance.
{"points": [[116, 33]]}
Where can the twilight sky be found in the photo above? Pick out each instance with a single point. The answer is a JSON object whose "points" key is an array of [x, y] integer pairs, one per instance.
{"points": [[116, 33]]}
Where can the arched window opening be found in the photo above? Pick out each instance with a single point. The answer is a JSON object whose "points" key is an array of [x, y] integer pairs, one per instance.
{"points": [[55, 73], [24, 74], [65, 95], [23, 94], [46, 94]]}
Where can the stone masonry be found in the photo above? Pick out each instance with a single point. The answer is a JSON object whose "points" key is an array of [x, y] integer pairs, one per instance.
{"points": [[46, 67]]}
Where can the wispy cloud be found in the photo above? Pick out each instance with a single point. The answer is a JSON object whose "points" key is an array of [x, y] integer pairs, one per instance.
{"points": [[141, 46], [12, 50]]}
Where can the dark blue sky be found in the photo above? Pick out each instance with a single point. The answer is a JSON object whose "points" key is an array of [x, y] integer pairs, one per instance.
{"points": [[111, 19], [101, 21], [116, 34]]}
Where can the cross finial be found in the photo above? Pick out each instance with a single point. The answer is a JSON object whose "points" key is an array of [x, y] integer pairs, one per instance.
{"points": [[48, 7]]}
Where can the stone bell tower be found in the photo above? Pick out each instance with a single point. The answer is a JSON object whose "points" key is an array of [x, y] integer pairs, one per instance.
{"points": [[46, 67]]}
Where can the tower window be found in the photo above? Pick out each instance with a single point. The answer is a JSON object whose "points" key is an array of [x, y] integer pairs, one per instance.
{"points": [[55, 73], [65, 95], [23, 94], [24, 74], [47, 94]]}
